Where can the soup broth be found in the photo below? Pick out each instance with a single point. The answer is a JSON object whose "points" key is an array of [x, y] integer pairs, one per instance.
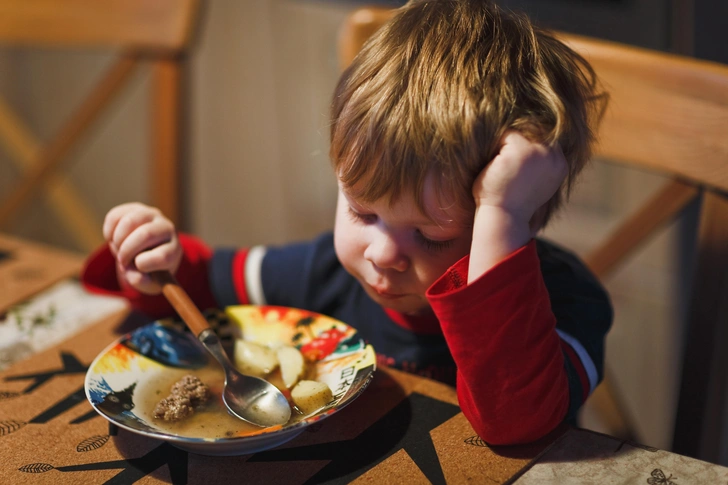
{"points": [[211, 420]]}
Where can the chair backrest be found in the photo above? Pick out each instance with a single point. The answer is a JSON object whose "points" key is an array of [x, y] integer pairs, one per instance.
{"points": [[667, 114], [139, 25], [157, 32]]}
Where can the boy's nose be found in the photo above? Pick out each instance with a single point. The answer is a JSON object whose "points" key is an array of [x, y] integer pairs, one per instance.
{"points": [[385, 252]]}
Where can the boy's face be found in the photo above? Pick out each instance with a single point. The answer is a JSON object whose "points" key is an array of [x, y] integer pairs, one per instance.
{"points": [[395, 251]]}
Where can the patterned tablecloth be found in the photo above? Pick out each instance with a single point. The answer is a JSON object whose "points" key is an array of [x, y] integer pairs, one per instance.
{"points": [[402, 429]]}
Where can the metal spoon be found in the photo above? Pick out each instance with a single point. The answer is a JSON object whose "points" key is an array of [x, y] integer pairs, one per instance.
{"points": [[251, 399]]}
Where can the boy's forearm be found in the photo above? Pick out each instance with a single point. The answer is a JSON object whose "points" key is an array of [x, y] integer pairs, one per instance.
{"points": [[496, 234], [512, 384]]}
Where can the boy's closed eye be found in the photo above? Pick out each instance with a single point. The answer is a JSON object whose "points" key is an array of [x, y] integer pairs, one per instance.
{"points": [[424, 241], [433, 245], [361, 217]]}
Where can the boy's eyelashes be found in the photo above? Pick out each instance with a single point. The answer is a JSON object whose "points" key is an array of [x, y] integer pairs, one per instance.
{"points": [[427, 243], [432, 245], [359, 217]]}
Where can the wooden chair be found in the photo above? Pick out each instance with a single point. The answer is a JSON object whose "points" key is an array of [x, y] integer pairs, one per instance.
{"points": [[157, 32], [667, 114]]}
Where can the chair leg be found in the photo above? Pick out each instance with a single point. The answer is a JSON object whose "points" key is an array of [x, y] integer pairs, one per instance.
{"points": [[611, 413], [166, 123], [701, 412]]}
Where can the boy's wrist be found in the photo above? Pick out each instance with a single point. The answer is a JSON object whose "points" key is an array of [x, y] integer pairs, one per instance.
{"points": [[500, 218], [496, 234]]}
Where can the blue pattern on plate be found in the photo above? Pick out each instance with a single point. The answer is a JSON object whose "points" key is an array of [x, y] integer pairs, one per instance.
{"points": [[167, 346]]}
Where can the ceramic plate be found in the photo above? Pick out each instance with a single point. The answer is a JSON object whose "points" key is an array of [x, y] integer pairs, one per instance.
{"points": [[131, 375]]}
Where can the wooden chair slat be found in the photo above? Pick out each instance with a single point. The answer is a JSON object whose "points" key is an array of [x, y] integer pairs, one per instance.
{"points": [[635, 230], [20, 143], [665, 109], [54, 153], [65, 200], [156, 25]]}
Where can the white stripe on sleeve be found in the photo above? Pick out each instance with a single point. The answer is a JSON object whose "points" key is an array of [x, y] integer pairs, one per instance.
{"points": [[253, 283], [586, 360]]}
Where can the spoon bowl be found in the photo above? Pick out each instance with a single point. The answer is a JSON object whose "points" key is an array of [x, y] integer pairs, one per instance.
{"points": [[249, 398]]}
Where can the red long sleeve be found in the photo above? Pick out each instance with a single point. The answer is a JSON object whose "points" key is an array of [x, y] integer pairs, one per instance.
{"points": [[511, 382], [99, 276]]}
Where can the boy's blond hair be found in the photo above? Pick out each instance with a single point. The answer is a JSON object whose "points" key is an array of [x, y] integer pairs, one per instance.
{"points": [[436, 88]]}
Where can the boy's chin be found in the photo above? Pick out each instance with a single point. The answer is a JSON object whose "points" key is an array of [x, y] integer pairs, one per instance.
{"points": [[408, 306]]}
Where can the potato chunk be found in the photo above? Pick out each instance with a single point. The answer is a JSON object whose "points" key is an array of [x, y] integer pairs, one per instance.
{"points": [[254, 359], [310, 396], [292, 365]]}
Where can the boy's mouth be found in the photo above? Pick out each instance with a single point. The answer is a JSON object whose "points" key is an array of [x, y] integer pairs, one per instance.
{"points": [[386, 294]]}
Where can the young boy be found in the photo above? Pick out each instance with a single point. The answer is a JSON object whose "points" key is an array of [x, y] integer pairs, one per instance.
{"points": [[454, 134]]}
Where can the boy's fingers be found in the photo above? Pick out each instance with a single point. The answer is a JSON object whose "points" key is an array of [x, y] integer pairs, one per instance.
{"points": [[160, 258], [115, 215], [110, 222], [142, 238], [516, 139], [128, 224], [141, 281]]}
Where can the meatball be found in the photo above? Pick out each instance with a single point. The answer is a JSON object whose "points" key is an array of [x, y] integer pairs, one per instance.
{"points": [[173, 408], [186, 394], [192, 388]]}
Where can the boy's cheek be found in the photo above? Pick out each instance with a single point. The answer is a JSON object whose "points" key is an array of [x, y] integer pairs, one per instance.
{"points": [[345, 245]]}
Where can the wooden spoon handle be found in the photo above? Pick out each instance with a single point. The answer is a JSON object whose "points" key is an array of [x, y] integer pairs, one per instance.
{"points": [[181, 302]]}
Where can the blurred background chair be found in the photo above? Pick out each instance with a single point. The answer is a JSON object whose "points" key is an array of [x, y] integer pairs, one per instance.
{"points": [[670, 114], [667, 114], [158, 33]]}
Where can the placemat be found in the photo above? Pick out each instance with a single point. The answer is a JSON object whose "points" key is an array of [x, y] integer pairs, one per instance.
{"points": [[583, 456], [401, 429], [27, 268]]}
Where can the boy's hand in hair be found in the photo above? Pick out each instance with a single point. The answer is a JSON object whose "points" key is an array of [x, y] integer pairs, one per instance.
{"points": [[142, 240], [509, 195]]}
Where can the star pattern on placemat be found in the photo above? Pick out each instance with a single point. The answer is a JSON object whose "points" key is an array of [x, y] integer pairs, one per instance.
{"points": [[70, 365], [406, 427]]}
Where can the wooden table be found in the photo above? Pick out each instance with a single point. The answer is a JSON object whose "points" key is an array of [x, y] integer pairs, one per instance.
{"points": [[402, 429]]}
